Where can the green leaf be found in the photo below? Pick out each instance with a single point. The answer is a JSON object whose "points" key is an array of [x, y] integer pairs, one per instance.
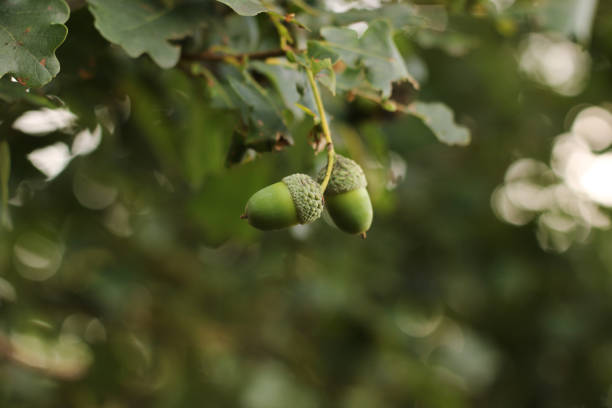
{"points": [[30, 32], [440, 120], [285, 80], [218, 95], [375, 50], [324, 73], [258, 108], [345, 43], [145, 26], [203, 134], [316, 50], [573, 18], [245, 7]]}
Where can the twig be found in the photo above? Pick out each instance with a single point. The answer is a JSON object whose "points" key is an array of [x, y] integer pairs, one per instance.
{"points": [[330, 144], [214, 56]]}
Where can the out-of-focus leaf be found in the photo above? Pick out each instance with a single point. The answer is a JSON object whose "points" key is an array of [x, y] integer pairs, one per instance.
{"points": [[258, 109], [440, 120], [187, 135], [145, 26], [375, 50], [349, 78], [151, 119], [570, 17], [400, 15], [245, 7], [233, 35], [51, 160], [205, 133], [12, 92], [453, 43], [216, 91], [43, 121], [30, 32], [216, 210]]}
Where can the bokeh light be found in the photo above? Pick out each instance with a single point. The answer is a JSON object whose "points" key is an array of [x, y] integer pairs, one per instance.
{"points": [[37, 257], [566, 196], [555, 62]]}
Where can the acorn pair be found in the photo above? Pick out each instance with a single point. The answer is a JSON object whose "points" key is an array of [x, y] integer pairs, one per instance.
{"points": [[297, 199]]}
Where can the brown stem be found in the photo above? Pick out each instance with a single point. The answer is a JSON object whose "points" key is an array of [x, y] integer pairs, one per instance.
{"points": [[214, 56]]}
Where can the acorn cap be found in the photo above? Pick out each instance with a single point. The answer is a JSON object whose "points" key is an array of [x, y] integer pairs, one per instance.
{"points": [[346, 176], [306, 196]]}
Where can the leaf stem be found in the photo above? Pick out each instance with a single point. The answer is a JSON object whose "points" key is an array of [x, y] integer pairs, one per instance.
{"points": [[326, 132]]}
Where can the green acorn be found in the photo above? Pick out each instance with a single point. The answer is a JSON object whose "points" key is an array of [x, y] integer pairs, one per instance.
{"points": [[297, 199], [346, 198]]}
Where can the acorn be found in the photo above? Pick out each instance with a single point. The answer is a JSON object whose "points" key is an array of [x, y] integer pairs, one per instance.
{"points": [[297, 199], [346, 199]]}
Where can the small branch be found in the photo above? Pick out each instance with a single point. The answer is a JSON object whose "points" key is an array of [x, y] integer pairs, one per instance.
{"points": [[330, 144], [214, 56]]}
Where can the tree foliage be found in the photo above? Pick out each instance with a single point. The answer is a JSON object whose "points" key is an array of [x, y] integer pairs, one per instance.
{"points": [[133, 132]]}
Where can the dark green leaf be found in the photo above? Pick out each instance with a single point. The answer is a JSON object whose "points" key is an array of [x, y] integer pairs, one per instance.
{"points": [[245, 7], [259, 110], [30, 32], [145, 26]]}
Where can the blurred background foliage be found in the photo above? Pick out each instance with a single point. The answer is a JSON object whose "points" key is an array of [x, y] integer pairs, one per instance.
{"points": [[127, 278]]}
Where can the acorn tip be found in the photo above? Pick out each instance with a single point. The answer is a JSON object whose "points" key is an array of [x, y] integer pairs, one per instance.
{"points": [[244, 217], [363, 235]]}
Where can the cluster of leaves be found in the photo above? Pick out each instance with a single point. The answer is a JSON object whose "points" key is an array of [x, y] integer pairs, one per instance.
{"points": [[272, 96]]}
